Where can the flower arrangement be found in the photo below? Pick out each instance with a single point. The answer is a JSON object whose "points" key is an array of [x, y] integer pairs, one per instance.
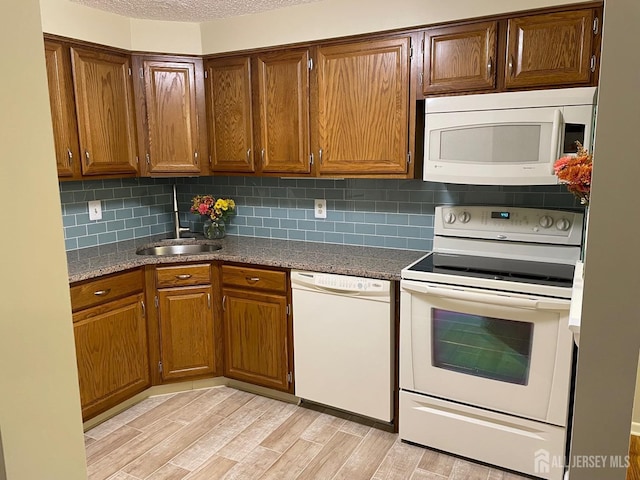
{"points": [[208, 206], [575, 173]]}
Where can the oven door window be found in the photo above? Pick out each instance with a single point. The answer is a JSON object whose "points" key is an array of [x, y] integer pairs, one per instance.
{"points": [[482, 346]]}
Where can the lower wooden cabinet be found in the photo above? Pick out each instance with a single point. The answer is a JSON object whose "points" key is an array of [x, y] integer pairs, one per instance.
{"points": [[111, 341], [185, 315], [257, 327]]}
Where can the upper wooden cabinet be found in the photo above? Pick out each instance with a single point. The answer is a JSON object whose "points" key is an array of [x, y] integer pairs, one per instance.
{"points": [[545, 50], [362, 123], [105, 108], [550, 49], [229, 114], [460, 57], [170, 94], [283, 119], [63, 115]]}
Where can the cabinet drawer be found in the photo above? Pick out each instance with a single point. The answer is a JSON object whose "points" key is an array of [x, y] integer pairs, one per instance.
{"points": [[183, 275], [106, 289], [254, 278]]}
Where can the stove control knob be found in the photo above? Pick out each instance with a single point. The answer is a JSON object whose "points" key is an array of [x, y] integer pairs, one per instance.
{"points": [[563, 224], [546, 221], [464, 217], [450, 218]]}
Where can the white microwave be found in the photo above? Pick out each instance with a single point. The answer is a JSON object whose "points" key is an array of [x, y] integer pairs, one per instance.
{"points": [[511, 138]]}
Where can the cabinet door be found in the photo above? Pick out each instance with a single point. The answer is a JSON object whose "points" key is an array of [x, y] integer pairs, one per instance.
{"points": [[63, 116], [550, 49], [283, 98], [111, 352], [460, 58], [172, 116], [186, 331], [256, 338], [228, 87], [104, 104], [363, 107]]}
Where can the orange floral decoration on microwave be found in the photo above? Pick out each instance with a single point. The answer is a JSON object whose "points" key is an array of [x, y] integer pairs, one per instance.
{"points": [[575, 172]]}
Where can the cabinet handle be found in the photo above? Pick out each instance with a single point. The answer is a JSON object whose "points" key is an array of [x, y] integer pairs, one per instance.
{"points": [[195, 157], [489, 67], [87, 156], [208, 300], [248, 154], [70, 156], [144, 309], [421, 78], [183, 276], [102, 293], [224, 300], [252, 279], [320, 156], [262, 156], [511, 65]]}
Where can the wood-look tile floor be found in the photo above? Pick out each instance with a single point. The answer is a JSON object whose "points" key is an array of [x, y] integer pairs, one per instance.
{"points": [[223, 433]]}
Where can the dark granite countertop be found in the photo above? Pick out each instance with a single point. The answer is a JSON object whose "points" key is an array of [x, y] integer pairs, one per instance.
{"points": [[381, 263]]}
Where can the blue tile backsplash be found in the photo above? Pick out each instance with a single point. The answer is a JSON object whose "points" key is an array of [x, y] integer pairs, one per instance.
{"points": [[378, 213], [131, 208]]}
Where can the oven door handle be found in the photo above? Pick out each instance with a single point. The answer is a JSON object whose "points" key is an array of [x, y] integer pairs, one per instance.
{"points": [[492, 298]]}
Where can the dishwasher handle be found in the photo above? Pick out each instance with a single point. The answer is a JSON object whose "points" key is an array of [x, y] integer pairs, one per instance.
{"points": [[343, 285]]}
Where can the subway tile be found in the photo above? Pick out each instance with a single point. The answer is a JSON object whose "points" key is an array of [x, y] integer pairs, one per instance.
{"points": [[96, 228], [373, 241], [397, 219], [262, 212], [421, 220], [353, 239], [133, 223], [83, 219], [125, 235], [419, 244], [271, 222], [109, 237], [296, 234], [112, 183], [74, 232], [387, 230], [297, 213], [345, 227], [254, 221], [84, 196], [289, 224], [333, 214], [70, 186], [395, 242], [115, 225], [314, 236], [122, 192], [66, 197], [87, 241], [279, 233], [248, 231], [375, 218], [356, 217], [414, 232], [142, 232], [324, 226], [368, 228], [71, 244], [262, 232], [124, 213], [306, 224], [68, 220], [114, 204], [333, 237]]}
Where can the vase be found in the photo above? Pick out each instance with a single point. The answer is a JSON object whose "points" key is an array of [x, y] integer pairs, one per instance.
{"points": [[214, 229]]}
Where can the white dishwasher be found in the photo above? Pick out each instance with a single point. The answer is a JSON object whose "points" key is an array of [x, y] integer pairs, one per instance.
{"points": [[343, 342]]}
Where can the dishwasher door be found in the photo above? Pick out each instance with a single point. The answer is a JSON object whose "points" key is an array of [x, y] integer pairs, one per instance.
{"points": [[343, 342]]}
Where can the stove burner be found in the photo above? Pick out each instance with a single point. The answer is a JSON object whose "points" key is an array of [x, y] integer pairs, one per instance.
{"points": [[541, 273]]}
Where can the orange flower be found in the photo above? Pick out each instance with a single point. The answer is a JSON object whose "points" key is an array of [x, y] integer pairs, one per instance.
{"points": [[575, 172]]}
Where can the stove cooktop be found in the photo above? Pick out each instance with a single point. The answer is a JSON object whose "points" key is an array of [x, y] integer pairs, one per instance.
{"points": [[492, 268]]}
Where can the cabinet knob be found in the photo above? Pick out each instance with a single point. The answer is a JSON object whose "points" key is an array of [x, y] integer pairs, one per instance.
{"points": [[511, 65], [489, 67]]}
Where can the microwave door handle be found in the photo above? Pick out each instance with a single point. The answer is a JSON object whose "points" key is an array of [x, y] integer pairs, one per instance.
{"points": [[555, 134], [477, 297]]}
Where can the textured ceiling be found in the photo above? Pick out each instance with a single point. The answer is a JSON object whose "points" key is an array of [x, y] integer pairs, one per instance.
{"points": [[187, 10]]}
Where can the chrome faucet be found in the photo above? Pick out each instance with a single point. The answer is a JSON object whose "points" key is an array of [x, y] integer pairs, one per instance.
{"points": [[176, 215]]}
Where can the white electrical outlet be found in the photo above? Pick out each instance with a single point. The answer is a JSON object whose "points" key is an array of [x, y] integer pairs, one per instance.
{"points": [[95, 210], [320, 208]]}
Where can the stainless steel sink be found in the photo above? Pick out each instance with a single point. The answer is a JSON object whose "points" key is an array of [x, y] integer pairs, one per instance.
{"points": [[191, 249]]}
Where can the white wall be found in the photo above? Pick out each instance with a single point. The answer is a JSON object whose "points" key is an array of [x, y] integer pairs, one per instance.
{"points": [[69, 19], [610, 333], [40, 420], [334, 18]]}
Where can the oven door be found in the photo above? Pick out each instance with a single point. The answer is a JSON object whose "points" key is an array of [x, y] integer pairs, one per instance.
{"points": [[506, 352]]}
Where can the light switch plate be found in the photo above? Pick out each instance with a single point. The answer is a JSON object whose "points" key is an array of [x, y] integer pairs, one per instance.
{"points": [[95, 210], [320, 208]]}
